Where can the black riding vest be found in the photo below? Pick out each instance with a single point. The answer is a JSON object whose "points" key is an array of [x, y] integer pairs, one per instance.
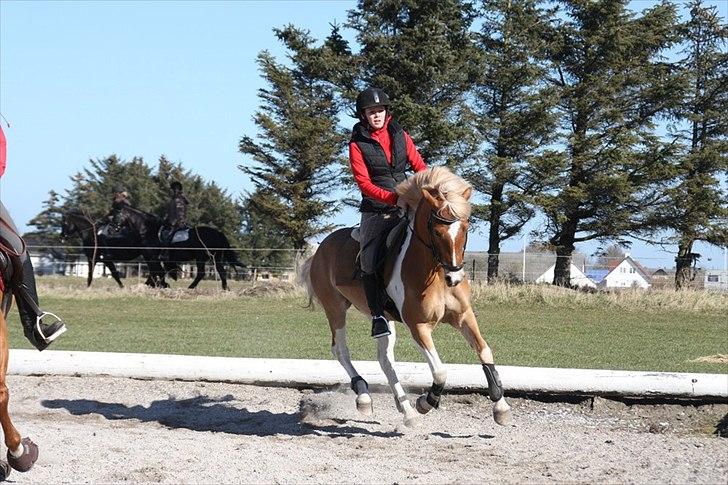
{"points": [[380, 172]]}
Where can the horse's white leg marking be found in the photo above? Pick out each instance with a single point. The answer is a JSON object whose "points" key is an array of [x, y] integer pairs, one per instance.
{"points": [[501, 408], [341, 351], [385, 353], [18, 452], [439, 375]]}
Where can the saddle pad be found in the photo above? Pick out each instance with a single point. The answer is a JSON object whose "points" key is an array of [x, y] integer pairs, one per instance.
{"points": [[180, 235]]}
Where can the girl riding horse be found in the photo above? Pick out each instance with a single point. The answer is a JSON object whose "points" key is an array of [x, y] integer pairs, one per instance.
{"points": [[38, 332], [379, 152], [424, 278]]}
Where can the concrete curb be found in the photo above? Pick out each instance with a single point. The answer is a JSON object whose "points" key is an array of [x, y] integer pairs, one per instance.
{"points": [[317, 373]]}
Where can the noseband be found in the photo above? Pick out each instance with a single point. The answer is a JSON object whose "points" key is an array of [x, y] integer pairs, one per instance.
{"points": [[435, 216]]}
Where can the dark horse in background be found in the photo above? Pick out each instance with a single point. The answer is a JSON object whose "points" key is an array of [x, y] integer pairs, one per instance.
{"points": [[203, 244], [128, 245]]}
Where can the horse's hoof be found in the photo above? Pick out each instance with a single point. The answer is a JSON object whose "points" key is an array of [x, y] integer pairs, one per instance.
{"points": [[501, 412], [364, 404], [4, 470], [24, 462], [422, 406], [411, 419]]}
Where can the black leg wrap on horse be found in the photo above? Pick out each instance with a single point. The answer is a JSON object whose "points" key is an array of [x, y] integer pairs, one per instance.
{"points": [[433, 395], [495, 388], [359, 385]]}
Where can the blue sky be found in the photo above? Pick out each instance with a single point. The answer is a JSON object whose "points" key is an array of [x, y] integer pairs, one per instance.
{"points": [[81, 80]]}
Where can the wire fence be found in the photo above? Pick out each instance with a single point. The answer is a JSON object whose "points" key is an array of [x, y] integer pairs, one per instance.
{"points": [[619, 271]]}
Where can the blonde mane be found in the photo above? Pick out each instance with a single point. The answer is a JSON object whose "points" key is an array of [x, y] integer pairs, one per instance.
{"points": [[449, 186]]}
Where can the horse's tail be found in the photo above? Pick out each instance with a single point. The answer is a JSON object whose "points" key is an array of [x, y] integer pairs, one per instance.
{"points": [[303, 278], [230, 257]]}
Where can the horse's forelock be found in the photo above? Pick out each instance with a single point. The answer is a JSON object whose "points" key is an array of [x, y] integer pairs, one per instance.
{"points": [[450, 187]]}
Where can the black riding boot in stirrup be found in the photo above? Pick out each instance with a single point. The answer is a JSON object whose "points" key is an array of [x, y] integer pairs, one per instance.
{"points": [[380, 325], [39, 333]]}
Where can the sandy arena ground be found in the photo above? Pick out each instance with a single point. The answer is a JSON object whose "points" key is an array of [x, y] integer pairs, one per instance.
{"points": [[123, 430]]}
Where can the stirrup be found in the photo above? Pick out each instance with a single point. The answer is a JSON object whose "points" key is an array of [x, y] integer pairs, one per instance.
{"points": [[49, 338], [380, 327]]}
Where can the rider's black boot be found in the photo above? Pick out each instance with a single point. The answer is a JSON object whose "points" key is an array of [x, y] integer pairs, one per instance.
{"points": [[39, 333], [380, 325]]}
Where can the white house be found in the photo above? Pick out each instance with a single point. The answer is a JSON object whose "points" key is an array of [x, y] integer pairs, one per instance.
{"points": [[627, 274], [716, 280], [578, 278]]}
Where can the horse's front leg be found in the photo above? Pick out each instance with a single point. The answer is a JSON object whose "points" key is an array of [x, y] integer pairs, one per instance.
{"points": [[385, 354], [22, 453], [471, 331], [90, 277], [422, 334]]}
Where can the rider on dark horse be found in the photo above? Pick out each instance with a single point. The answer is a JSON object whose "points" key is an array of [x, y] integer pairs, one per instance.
{"points": [[176, 216], [379, 152], [22, 284], [117, 216]]}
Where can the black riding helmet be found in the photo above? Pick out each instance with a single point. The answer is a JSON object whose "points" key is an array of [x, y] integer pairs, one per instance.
{"points": [[176, 186], [371, 97], [118, 188]]}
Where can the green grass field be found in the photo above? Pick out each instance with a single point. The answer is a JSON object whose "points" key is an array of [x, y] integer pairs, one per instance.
{"points": [[543, 327]]}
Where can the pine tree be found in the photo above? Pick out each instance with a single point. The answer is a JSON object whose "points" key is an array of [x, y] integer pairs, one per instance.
{"points": [[422, 53], [612, 86], [267, 243], [297, 154], [697, 207], [47, 224], [514, 118]]}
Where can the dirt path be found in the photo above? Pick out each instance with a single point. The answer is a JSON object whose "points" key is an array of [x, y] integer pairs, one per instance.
{"points": [[123, 430]]}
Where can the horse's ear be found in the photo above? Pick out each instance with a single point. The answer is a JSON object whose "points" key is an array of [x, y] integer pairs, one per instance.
{"points": [[431, 196], [467, 193]]}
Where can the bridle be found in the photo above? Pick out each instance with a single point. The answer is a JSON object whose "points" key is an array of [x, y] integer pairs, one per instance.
{"points": [[436, 216]]}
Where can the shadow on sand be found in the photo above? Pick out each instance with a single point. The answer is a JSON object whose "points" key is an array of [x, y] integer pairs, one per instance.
{"points": [[202, 413]]}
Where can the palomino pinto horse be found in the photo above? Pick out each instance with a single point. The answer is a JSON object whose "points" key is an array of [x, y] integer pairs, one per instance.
{"points": [[426, 281], [108, 250], [22, 452]]}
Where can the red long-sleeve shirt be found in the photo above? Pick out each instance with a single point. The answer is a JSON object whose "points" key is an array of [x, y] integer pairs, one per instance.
{"points": [[361, 173]]}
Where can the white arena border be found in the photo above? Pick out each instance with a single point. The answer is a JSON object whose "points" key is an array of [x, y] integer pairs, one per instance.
{"points": [[318, 373]]}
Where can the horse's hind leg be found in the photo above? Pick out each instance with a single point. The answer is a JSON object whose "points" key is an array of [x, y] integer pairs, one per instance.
{"points": [[220, 267], [340, 349], [385, 355], [469, 328], [199, 274], [22, 453], [114, 273], [422, 334]]}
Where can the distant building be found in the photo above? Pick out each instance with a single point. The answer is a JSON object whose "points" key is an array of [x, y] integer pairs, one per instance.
{"points": [[578, 278], [628, 273], [715, 279]]}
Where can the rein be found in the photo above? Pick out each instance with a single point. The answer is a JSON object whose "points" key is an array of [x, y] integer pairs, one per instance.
{"points": [[431, 246], [88, 218]]}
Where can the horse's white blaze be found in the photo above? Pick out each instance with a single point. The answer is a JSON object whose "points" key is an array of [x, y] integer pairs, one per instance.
{"points": [[453, 232]]}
